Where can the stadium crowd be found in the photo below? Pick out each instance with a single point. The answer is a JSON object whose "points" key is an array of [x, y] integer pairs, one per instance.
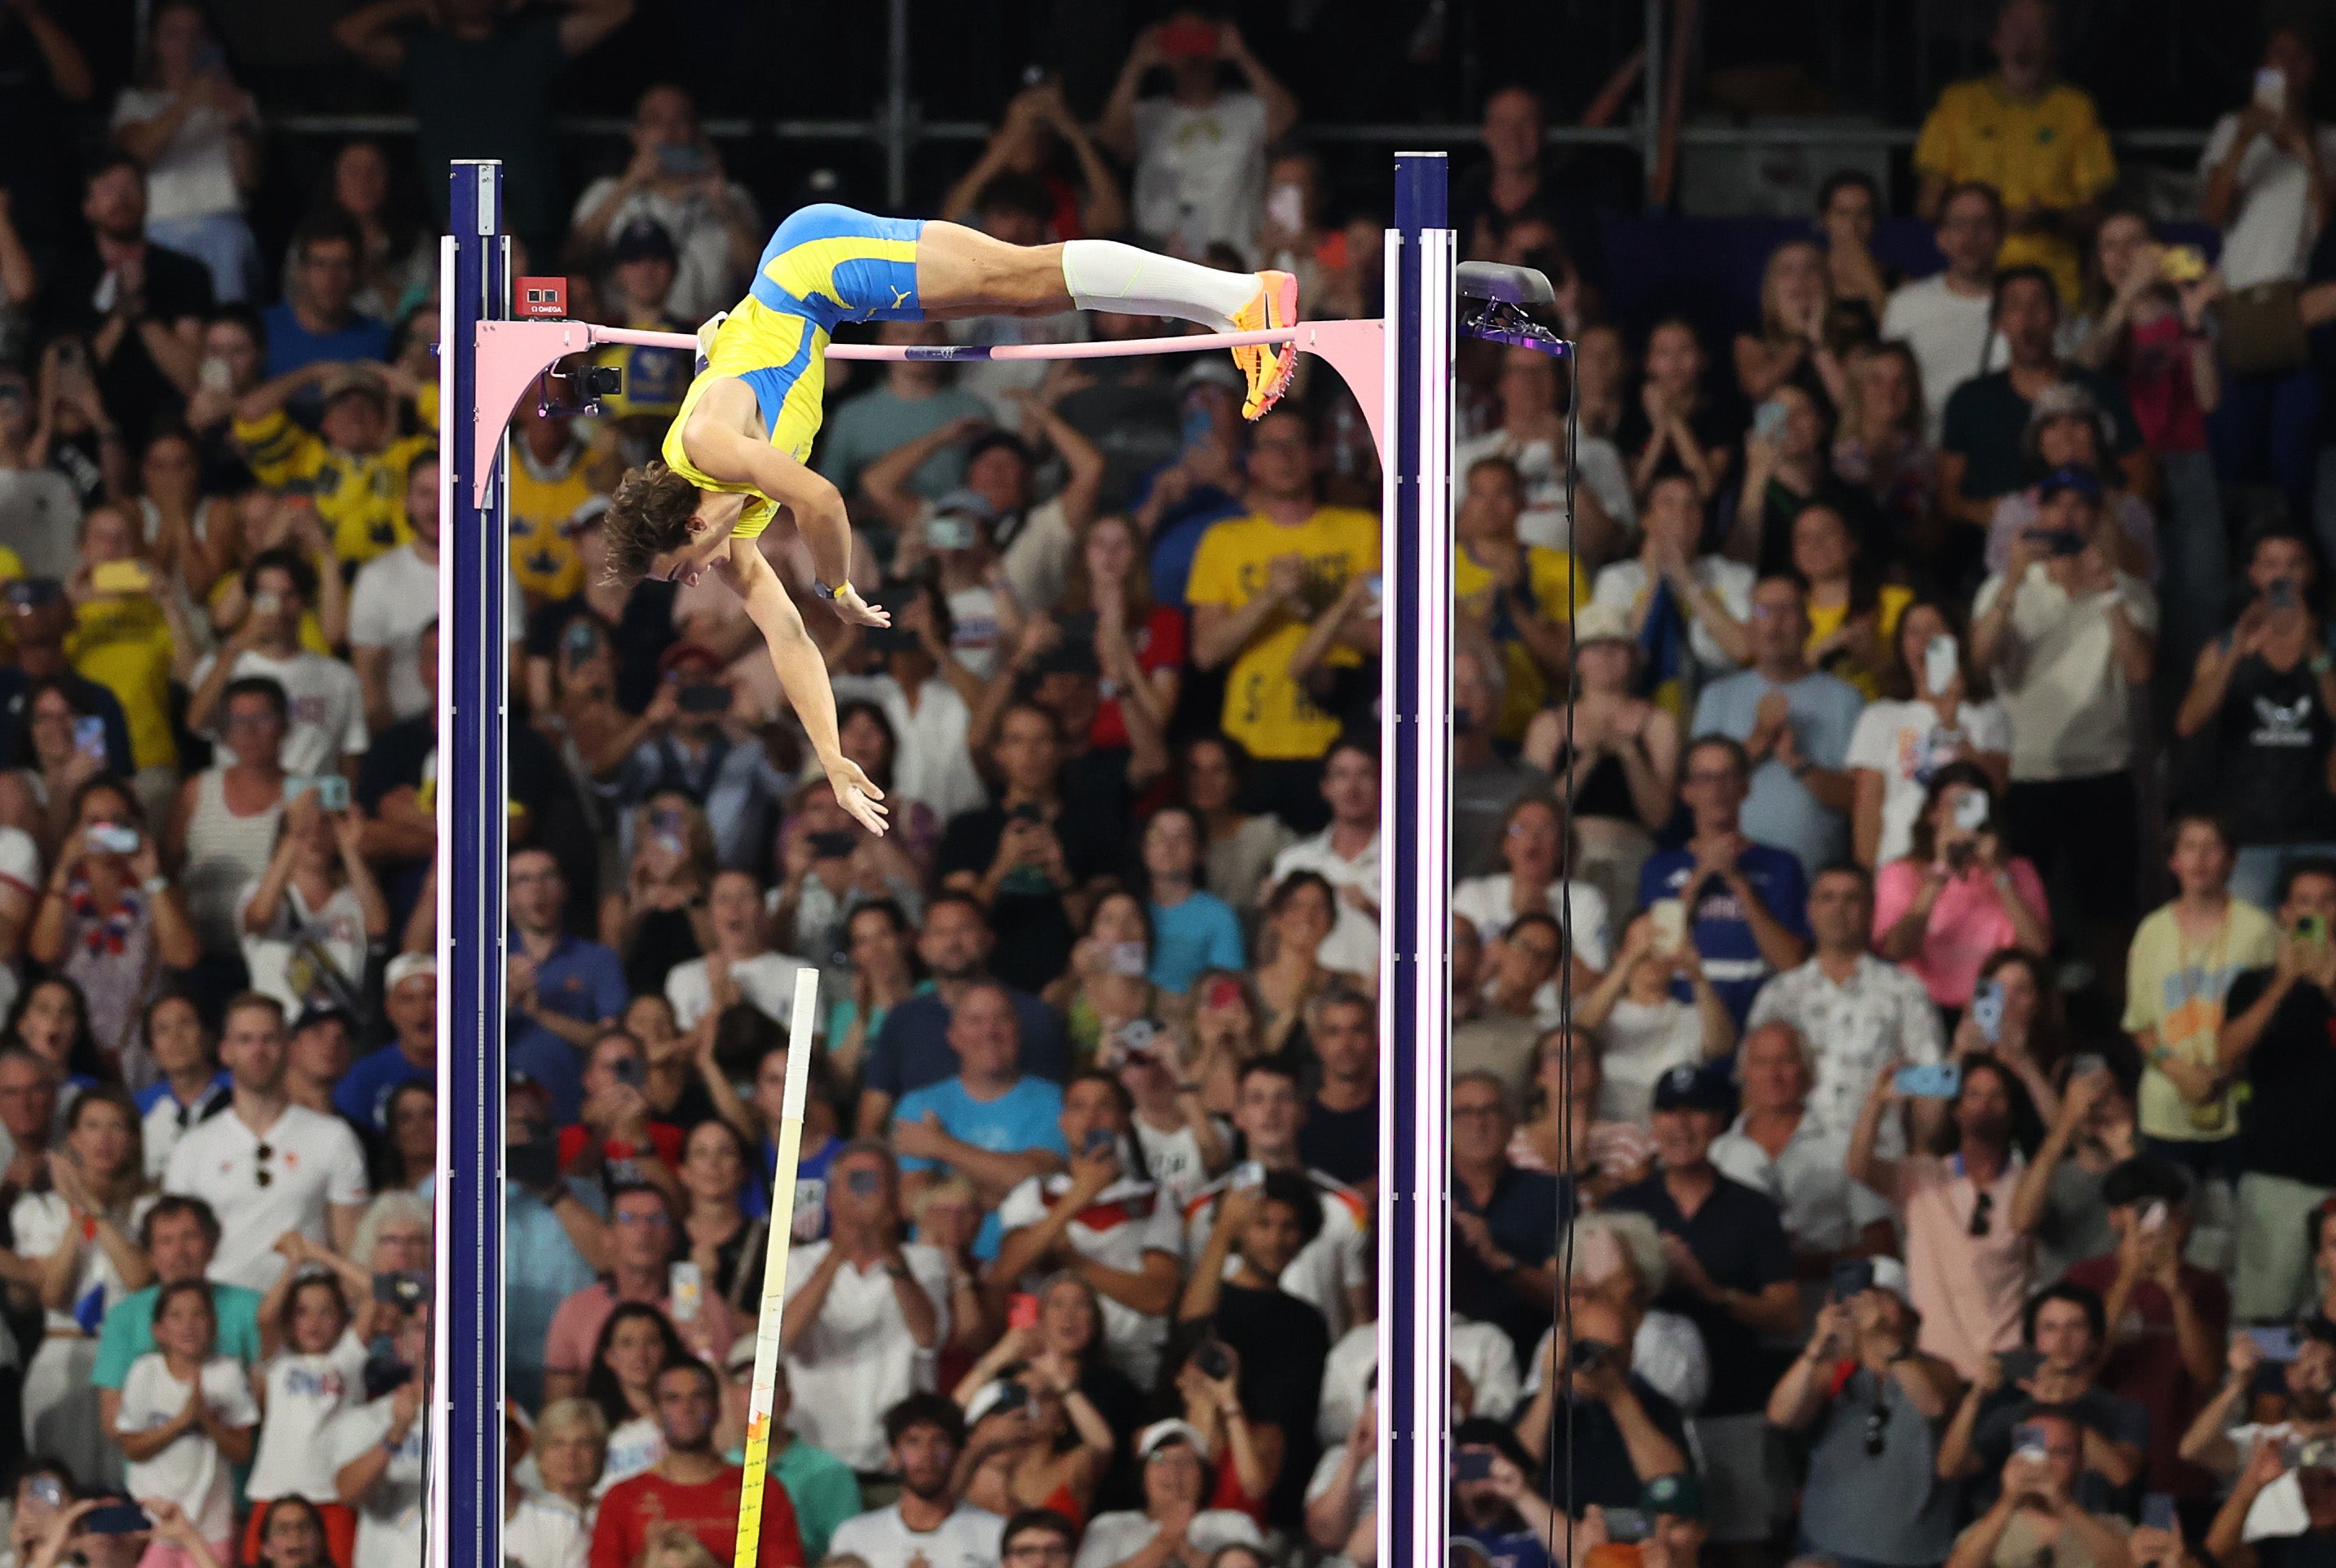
{"points": [[1902, 732]]}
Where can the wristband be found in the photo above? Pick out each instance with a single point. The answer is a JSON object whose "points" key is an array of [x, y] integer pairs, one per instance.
{"points": [[824, 592]]}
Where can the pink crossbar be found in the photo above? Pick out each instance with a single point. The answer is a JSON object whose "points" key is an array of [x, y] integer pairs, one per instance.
{"points": [[513, 354]]}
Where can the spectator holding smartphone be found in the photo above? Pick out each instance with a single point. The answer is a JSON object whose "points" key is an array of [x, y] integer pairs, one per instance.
{"points": [[1969, 1260], [2276, 1023], [316, 913], [1958, 894], [2263, 698], [2168, 1318], [2068, 637], [2311, 1465], [1878, 1406], [2037, 1513], [108, 878], [2065, 1331]]}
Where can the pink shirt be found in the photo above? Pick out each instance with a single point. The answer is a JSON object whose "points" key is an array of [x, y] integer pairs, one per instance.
{"points": [[575, 1328], [1967, 924], [1969, 1289]]}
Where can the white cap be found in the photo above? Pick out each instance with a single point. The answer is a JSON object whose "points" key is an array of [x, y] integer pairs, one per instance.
{"points": [[1160, 1434], [1890, 1274]]}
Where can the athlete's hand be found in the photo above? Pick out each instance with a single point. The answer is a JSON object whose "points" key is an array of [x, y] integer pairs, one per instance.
{"points": [[854, 610], [856, 793]]}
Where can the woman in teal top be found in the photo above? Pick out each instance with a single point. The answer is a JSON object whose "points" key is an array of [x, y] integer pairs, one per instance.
{"points": [[1192, 929]]}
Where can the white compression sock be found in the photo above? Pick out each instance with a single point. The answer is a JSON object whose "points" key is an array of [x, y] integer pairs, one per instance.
{"points": [[1105, 275]]}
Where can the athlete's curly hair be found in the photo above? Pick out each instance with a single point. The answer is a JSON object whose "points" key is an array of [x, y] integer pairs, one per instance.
{"points": [[648, 514]]}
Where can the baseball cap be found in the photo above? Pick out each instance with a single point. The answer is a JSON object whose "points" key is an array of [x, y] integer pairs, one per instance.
{"points": [[992, 1395], [964, 502], [642, 239], [1687, 1088], [405, 966], [1160, 1434], [2067, 476], [1890, 1274], [1600, 623], [316, 1013], [1680, 1495]]}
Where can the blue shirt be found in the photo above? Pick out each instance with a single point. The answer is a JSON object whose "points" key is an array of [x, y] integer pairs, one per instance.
{"points": [[811, 1186], [291, 346], [364, 1095], [1200, 933], [1024, 1117], [912, 1051], [542, 1268], [1780, 810], [581, 980], [1723, 938], [153, 1094]]}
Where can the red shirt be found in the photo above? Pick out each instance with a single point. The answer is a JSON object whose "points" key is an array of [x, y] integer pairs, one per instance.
{"points": [[1159, 644], [2146, 1365], [2158, 386], [663, 1139], [710, 1512]]}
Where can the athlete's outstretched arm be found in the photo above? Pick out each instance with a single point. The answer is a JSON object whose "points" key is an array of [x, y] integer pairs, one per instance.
{"points": [[802, 673], [731, 457]]}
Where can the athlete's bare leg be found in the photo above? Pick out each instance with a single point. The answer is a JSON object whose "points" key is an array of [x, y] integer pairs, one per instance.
{"points": [[963, 272]]}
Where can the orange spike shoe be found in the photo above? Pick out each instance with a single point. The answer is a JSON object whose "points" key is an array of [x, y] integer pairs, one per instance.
{"points": [[1268, 365]]}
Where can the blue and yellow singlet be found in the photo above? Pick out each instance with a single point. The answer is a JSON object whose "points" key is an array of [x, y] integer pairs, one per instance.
{"points": [[824, 264]]}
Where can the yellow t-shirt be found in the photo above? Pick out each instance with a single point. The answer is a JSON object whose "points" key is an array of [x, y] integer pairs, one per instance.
{"points": [[2047, 152], [1265, 709], [1552, 578], [542, 499], [361, 497], [1825, 619], [2178, 990], [312, 629], [124, 645]]}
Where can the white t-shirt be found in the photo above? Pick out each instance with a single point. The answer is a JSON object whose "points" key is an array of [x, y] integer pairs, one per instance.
{"points": [[633, 1447], [327, 709], [389, 1515], [190, 1471], [545, 1532], [40, 1220], [1905, 744], [1353, 944], [1173, 1158], [2271, 240], [1125, 1221], [1644, 1040], [1487, 902], [967, 1538], [1542, 521], [395, 597], [703, 281], [19, 872], [1479, 1349], [276, 960], [1199, 173], [860, 1359], [974, 628], [767, 979], [314, 1162], [934, 763], [193, 176], [1621, 586], [1113, 1538], [2060, 684], [304, 1393], [1951, 338]]}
